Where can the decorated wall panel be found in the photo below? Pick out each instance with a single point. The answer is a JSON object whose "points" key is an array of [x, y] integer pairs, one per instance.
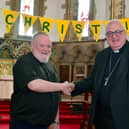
{"points": [[10, 50]]}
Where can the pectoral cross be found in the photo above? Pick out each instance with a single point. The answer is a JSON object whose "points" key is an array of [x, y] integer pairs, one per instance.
{"points": [[106, 81]]}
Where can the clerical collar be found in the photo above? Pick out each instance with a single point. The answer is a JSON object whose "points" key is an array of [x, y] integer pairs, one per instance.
{"points": [[119, 50], [116, 51]]}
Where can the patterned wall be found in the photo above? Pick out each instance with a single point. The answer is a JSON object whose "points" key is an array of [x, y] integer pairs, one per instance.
{"points": [[75, 52], [10, 50]]}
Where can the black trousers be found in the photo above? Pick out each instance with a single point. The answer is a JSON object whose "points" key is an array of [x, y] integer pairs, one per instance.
{"points": [[104, 122], [16, 124]]}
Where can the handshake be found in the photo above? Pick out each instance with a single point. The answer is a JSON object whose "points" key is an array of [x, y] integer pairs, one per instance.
{"points": [[67, 88]]}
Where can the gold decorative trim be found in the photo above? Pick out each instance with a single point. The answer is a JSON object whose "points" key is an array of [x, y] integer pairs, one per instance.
{"points": [[117, 9], [6, 67]]}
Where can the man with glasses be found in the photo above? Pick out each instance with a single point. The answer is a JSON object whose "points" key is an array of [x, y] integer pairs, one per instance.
{"points": [[109, 82]]}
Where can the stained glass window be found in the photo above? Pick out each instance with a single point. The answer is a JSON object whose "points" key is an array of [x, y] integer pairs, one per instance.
{"points": [[26, 7], [83, 14]]}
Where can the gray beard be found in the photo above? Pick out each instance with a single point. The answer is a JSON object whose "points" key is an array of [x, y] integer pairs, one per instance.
{"points": [[41, 59]]}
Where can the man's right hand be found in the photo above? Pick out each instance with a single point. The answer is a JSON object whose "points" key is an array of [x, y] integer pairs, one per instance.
{"points": [[68, 88]]}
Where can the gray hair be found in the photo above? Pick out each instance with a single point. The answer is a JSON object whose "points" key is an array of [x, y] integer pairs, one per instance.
{"points": [[114, 20], [39, 33]]}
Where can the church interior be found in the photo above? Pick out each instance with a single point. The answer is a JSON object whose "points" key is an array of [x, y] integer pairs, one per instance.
{"points": [[73, 58]]}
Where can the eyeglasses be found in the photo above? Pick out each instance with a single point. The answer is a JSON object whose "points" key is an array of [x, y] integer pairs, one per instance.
{"points": [[117, 33]]}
